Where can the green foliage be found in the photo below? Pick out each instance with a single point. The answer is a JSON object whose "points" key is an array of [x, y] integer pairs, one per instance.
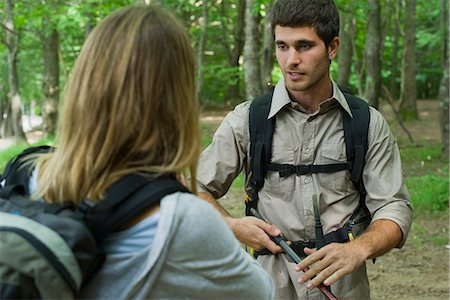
{"points": [[424, 235], [408, 114], [429, 193], [215, 90], [74, 18], [207, 132], [239, 182], [10, 152], [420, 154]]}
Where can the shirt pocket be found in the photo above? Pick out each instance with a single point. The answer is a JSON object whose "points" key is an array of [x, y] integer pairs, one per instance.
{"points": [[334, 154], [273, 182]]}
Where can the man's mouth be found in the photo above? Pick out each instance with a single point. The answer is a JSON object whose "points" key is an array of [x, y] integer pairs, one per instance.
{"points": [[295, 75]]}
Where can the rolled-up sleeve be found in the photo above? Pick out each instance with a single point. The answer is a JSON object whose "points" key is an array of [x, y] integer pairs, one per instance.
{"points": [[387, 194], [225, 157]]}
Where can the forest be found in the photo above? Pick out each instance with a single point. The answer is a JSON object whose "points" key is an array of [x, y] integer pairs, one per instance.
{"points": [[391, 50], [393, 53]]}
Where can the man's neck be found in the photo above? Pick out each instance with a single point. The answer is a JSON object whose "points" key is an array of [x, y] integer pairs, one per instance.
{"points": [[311, 98]]}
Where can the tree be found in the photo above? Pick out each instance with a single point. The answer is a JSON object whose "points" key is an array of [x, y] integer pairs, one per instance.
{"points": [[347, 32], [233, 46], [201, 50], [444, 93], [408, 88], [15, 104], [393, 86], [267, 51], [50, 44], [251, 51], [373, 53]]}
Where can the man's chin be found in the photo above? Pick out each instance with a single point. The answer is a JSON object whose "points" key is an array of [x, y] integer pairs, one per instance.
{"points": [[296, 86]]}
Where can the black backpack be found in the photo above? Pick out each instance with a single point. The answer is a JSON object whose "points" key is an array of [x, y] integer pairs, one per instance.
{"points": [[51, 251], [355, 135]]}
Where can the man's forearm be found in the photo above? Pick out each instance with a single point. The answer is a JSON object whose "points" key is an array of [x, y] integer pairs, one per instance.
{"points": [[380, 237]]}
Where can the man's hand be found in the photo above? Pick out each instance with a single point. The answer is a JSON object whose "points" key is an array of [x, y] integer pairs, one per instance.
{"points": [[330, 263], [251, 231], [334, 261], [255, 233]]}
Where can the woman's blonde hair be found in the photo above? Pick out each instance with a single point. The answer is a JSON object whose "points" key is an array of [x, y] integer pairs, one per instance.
{"points": [[129, 107]]}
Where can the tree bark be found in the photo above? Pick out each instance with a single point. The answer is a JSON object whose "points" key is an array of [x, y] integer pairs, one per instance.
{"points": [[267, 51], [393, 85], [15, 104], [408, 88], [235, 47], [373, 52], [347, 34], [50, 42], [444, 93], [201, 52], [251, 52]]}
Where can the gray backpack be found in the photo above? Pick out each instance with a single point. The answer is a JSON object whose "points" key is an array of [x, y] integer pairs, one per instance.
{"points": [[50, 251]]}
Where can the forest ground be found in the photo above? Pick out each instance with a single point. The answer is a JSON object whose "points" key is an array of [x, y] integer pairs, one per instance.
{"points": [[420, 270]]}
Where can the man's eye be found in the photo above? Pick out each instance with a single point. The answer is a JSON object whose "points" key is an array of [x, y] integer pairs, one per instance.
{"points": [[304, 47], [281, 47]]}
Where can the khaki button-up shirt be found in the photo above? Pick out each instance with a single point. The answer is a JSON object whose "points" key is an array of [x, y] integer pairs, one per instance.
{"points": [[302, 138]]}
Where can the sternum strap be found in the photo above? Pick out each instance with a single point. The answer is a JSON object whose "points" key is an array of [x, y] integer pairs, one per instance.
{"points": [[287, 170]]}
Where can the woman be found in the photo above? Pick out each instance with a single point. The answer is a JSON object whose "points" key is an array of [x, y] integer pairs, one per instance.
{"points": [[130, 107]]}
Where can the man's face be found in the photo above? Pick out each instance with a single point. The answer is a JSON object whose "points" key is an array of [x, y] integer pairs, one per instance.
{"points": [[303, 57]]}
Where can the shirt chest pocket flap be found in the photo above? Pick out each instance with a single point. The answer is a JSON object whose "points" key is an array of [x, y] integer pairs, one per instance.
{"points": [[333, 154]]}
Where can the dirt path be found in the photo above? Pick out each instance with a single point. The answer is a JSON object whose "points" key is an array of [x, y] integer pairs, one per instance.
{"points": [[420, 270]]}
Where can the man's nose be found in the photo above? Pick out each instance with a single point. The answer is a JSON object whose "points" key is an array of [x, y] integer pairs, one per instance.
{"points": [[293, 57]]}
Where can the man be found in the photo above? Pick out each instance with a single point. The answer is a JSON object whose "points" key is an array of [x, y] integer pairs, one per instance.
{"points": [[309, 109]]}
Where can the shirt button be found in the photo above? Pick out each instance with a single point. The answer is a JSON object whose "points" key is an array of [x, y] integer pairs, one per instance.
{"points": [[307, 150], [306, 181]]}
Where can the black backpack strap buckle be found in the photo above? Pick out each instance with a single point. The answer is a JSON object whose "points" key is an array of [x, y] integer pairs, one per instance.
{"points": [[84, 208], [298, 170]]}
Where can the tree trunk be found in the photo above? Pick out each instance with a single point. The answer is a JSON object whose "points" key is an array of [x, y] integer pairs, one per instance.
{"points": [[201, 52], [373, 52], [15, 105], [408, 88], [251, 51], [50, 43], [393, 85], [444, 93], [444, 98], [267, 52], [235, 47], [347, 34]]}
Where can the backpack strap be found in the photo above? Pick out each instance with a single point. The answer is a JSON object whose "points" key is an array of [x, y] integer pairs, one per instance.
{"points": [[261, 132], [17, 171], [356, 130], [125, 200]]}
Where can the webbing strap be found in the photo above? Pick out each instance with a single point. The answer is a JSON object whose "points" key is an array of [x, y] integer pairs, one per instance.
{"points": [[356, 131], [17, 172], [338, 236], [261, 132], [287, 170], [111, 215]]}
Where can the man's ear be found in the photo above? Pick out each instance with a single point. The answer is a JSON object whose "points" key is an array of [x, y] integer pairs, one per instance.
{"points": [[333, 47]]}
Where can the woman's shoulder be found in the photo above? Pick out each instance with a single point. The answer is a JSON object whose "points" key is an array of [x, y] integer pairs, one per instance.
{"points": [[188, 205], [190, 214]]}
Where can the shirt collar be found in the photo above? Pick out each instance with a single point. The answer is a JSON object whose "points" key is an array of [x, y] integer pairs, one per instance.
{"points": [[281, 98]]}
